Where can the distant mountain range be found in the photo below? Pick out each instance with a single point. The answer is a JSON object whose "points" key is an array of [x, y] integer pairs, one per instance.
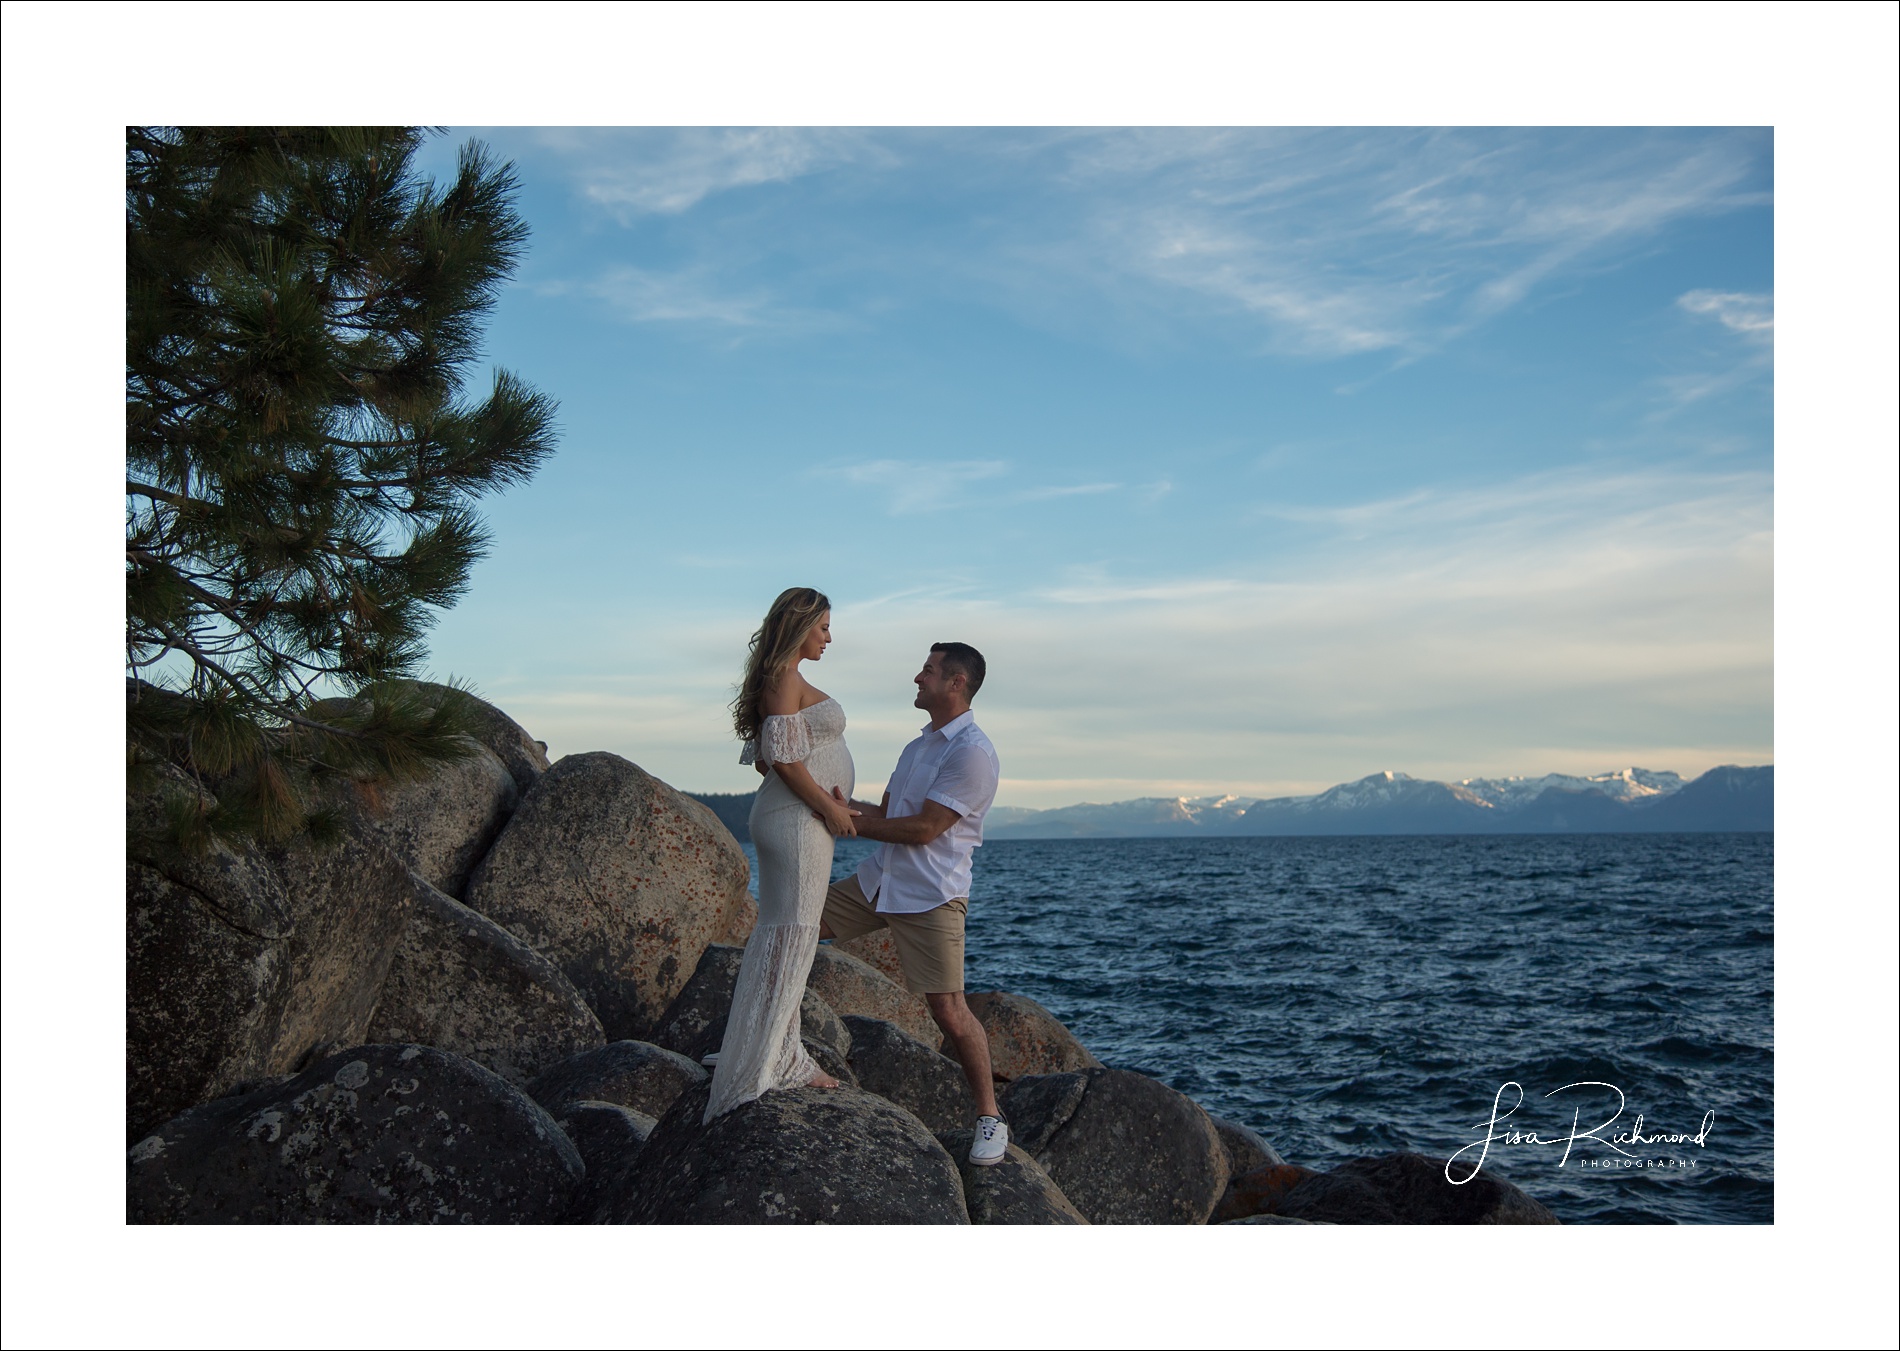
{"points": [[1729, 797]]}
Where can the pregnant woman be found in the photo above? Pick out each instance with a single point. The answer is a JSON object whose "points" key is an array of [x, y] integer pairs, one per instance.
{"points": [[797, 732]]}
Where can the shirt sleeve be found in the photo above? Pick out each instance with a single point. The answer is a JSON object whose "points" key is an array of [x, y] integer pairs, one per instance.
{"points": [[965, 782]]}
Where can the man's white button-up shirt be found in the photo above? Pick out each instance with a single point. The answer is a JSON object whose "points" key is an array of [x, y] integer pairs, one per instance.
{"points": [[955, 766]]}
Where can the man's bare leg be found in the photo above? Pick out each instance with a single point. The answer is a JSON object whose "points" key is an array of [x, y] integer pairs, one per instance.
{"points": [[964, 1038]]}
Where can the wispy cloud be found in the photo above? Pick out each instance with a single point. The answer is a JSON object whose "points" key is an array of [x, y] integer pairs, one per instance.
{"points": [[1745, 354], [1546, 622], [1627, 198], [1345, 242], [1541, 534], [695, 298], [1352, 516], [911, 487], [1320, 243], [1628, 503], [1752, 316], [1102, 591], [1680, 391], [642, 296], [1069, 490], [1562, 621], [668, 171]]}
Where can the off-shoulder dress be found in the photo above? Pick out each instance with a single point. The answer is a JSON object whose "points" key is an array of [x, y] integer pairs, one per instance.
{"points": [[762, 1050]]}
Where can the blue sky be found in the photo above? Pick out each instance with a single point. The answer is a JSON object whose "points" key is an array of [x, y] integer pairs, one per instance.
{"points": [[1254, 460]]}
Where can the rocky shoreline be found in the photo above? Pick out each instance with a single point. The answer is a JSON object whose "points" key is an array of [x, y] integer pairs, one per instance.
{"points": [[487, 1004]]}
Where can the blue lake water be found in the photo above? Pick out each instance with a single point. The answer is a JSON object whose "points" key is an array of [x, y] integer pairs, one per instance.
{"points": [[1348, 996]]}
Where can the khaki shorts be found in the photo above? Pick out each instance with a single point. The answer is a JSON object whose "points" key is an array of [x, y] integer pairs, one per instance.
{"points": [[929, 945]]}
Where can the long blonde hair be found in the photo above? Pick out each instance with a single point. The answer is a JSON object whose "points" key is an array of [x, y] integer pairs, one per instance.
{"points": [[787, 624]]}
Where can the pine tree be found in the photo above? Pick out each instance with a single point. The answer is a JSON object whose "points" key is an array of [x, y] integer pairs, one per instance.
{"points": [[301, 464]]}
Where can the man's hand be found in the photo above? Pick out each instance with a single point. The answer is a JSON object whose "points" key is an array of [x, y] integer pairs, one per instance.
{"points": [[843, 801], [838, 819], [857, 808]]}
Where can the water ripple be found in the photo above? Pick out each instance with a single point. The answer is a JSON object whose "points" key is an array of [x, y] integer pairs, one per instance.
{"points": [[1352, 996]]}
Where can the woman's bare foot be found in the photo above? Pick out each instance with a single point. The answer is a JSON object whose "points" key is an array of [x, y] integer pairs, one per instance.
{"points": [[821, 1080]]}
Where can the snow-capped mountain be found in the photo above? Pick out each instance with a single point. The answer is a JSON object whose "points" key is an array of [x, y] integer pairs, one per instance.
{"points": [[1137, 816], [1623, 785], [1729, 797]]}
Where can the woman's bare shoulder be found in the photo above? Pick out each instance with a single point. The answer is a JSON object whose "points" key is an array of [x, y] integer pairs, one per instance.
{"points": [[813, 697], [786, 696]]}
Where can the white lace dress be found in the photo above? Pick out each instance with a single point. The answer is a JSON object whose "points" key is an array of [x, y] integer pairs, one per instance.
{"points": [[762, 1050]]}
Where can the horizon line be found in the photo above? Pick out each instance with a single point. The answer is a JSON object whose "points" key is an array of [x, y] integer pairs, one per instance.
{"points": [[1187, 797]]}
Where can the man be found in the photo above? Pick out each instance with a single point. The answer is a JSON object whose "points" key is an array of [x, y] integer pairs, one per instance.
{"points": [[918, 883]]}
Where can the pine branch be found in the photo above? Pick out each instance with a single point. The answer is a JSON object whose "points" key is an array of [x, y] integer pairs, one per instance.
{"points": [[300, 314]]}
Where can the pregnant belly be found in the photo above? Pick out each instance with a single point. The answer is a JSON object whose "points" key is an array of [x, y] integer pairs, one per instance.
{"points": [[830, 764]]}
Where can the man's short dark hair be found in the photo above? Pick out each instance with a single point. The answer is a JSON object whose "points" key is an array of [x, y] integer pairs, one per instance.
{"points": [[964, 660]]}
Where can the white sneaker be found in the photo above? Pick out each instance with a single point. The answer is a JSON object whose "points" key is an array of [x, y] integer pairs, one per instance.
{"points": [[710, 1060], [991, 1143]]}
